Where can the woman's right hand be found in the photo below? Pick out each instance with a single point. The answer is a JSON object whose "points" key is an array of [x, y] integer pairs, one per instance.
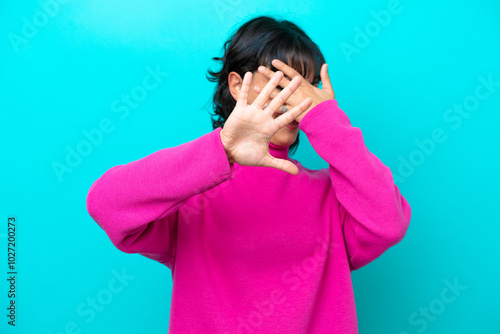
{"points": [[248, 130]]}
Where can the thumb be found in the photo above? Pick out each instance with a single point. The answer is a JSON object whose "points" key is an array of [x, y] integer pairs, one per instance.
{"points": [[282, 164], [325, 80]]}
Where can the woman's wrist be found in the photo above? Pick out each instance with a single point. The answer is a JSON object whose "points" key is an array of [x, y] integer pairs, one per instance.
{"points": [[228, 155]]}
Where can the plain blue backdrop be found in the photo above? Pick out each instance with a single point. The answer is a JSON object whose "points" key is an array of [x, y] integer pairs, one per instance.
{"points": [[423, 85]]}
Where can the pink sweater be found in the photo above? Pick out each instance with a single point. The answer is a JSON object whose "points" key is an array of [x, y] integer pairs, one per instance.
{"points": [[255, 249]]}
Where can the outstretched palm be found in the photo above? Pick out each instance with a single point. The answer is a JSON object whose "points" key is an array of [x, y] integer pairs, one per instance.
{"points": [[249, 128]]}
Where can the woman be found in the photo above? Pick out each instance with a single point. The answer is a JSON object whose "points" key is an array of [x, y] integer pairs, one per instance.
{"points": [[254, 249]]}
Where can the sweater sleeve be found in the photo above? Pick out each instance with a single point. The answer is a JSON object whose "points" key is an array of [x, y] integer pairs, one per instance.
{"points": [[373, 213], [137, 204]]}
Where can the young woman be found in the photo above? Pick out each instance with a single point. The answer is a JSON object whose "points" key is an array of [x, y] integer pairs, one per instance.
{"points": [[256, 242]]}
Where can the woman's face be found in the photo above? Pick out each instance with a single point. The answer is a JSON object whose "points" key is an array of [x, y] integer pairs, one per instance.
{"points": [[283, 137]]}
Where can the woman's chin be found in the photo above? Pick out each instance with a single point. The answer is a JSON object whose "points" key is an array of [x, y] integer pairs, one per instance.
{"points": [[284, 137]]}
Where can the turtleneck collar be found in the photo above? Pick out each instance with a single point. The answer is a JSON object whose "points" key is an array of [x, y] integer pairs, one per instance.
{"points": [[280, 152]]}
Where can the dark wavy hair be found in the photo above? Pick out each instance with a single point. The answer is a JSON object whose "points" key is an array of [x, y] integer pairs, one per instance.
{"points": [[257, 42]]}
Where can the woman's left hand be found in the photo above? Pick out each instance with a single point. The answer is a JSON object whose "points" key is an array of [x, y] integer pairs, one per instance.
{"points": [[305, 89]]}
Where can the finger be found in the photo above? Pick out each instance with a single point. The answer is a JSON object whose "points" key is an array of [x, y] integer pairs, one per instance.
{"points": [[269, 74], [268, 89], [292, 114], [285, 68], [245, 86], [282, 164], [281, 98], [325, 80]]}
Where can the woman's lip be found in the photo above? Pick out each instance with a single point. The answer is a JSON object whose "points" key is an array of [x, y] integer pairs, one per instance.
{"points": [[293, 123]]}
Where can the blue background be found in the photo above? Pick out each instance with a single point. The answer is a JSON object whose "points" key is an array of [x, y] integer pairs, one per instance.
{"points": [[68, 74]]}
